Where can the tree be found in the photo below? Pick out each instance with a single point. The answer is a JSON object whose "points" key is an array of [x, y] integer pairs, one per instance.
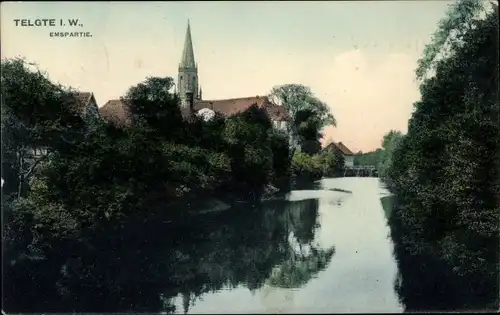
{"points": [[36, 113], [369, 158], [445, 170], [248, 141], [153, 105], [332, 162], [450, 33], [98, 180], [294, 97], [281, 154], [389, 138], [390, 143], [339, 162], [309, 114]]}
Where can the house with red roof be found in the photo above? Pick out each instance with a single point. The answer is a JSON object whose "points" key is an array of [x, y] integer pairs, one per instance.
{"points": [[340, 147]]}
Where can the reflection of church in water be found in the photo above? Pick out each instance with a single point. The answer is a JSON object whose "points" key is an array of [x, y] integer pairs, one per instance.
{"points": [[191, 95]]}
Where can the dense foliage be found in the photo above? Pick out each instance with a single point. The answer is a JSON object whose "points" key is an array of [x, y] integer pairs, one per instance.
{"points": [[309, 114], [96, 185], [368, 158], [326, 163], [445, 171], [390, 143], [95, 175], [381, 158]]}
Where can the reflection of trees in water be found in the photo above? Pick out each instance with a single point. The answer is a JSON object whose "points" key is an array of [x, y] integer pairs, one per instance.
{"points": [[303, 264], [246, 249], [387, 205], [302, 217], [298, 270], [143, 269], [427, 283]]}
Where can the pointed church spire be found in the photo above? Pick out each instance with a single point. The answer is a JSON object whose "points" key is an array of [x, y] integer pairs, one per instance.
{"points": [[187, 60], [200, 94]]}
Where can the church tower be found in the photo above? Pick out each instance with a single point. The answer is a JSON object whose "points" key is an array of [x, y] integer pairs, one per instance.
{"points": [[188, 73]]}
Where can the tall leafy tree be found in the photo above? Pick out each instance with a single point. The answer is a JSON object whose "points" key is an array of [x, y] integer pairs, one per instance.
{"points": [[309, 114], [449, 35], [390, 143], [248, 140], [153, 105], [36, 113], [446, 169]]}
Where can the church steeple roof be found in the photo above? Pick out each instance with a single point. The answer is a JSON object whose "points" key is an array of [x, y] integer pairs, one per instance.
{"points": [[187, 60]]}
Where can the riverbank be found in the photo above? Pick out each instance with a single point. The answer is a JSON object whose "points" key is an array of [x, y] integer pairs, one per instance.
{"points": [[445, 170], [439, 284], [322, 246], [250, 257]]}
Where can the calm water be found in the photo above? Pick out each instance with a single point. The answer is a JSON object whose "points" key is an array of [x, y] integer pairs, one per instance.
{"points": [[358, 275], [316, 250]]}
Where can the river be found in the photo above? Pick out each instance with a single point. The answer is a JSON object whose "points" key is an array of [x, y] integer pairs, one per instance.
{"points": [[358, 277], [313, 250]]}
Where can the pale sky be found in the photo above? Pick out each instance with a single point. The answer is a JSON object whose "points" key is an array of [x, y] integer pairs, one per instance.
{"points": [[358, 57]]}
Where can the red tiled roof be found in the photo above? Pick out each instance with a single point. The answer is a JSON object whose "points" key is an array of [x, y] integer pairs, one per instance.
{"points": [[339, 146], [344, 149], [229, 107], [117, 112]]}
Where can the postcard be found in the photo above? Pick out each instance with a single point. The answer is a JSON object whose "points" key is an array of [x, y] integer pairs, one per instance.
{"points": [[250, 157]]}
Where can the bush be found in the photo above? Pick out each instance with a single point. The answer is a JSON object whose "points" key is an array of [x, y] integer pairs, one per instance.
{"points": [[104, 175]]}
